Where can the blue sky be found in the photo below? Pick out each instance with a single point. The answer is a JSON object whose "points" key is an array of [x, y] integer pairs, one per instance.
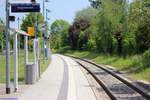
{"points": [[61, 9]]}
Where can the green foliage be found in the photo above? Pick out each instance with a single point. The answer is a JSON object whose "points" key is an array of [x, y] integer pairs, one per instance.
{"points": [[78, 34], [30, 21], [143, 31], [133, 65], [59, 33], [64, 49], [146, 55], [59, 27], [129, 44], [87, 13], [2, 35], [146, 58], [115, 27]]}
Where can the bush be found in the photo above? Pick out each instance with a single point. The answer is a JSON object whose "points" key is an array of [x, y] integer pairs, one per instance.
{"points": [[146, 58], [64, 49], [129, 46]]}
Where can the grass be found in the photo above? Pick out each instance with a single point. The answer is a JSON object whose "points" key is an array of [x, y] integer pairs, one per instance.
{"points": [[132, 65], [21, 67]]}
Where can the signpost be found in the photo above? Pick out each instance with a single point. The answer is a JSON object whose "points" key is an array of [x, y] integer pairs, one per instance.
{"points": [[44, 28], [15, 8], [25, 7]]}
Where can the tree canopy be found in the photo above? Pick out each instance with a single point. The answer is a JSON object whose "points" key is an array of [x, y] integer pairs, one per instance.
{"points": [[59, 33], [112, 27]]}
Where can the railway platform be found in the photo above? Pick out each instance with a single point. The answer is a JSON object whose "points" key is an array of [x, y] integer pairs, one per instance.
{"points": [[63, 80]]}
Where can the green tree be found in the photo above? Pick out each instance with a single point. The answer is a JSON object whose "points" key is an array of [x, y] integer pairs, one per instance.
{"points": [[78, 34], [111, 19], [59, 33], [143, 31], [29, 21], [81, 37], [86, 13]]}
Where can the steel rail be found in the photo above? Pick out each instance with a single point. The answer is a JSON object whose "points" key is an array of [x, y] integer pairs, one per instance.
{"points": [[107, 90], [125, 81]]}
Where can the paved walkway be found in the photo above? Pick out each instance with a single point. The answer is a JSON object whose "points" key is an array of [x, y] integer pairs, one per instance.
{"points": [[63, 80]]}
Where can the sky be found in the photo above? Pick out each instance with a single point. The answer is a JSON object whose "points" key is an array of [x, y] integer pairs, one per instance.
{"points": [[60, 9]]}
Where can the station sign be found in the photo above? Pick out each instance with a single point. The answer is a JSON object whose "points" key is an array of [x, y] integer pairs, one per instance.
{"points": [[25, 7], [31, 31]]}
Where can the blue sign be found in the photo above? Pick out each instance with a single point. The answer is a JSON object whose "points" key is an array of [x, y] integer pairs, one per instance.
{"points": [[25, 7]]}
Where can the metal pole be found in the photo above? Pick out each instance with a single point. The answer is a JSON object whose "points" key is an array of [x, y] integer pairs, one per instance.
{"points": [[44, 9], [19, 35], [18, 23], [44, 20], [8, 90], [46, 14], [38, 57], [26, 49], [15, 63], [46, 51], [47, 47]]}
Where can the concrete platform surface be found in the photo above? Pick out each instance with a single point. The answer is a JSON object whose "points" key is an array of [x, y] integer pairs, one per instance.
{"points": [[63, 80]]}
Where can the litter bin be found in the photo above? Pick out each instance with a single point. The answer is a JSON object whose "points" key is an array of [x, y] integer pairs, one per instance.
{"points": [[30, 76]]}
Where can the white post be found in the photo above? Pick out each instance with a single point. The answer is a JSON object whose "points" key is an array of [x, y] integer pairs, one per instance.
{"points": [[38, 57], [35, 58], [15, 63]]}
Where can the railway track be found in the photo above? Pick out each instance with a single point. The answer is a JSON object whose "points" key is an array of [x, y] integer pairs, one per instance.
{"points": [[116, 86]]}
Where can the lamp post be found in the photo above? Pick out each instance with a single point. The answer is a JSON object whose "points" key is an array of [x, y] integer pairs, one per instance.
{"points": [[47, 47], [45, 40], [44, 7], [7, 49]]}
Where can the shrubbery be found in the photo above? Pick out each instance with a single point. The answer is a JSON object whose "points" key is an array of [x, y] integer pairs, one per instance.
{"points": [[146, 58]]}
